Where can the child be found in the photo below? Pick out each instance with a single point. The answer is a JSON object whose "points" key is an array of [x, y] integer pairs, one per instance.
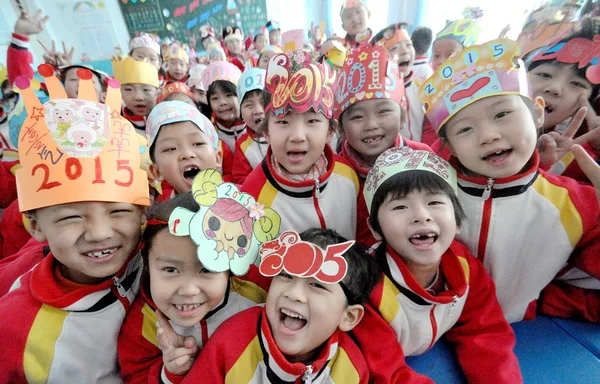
{"points": [[233, 38], [300, 176], [88, 206], [178, 59], [250, 148], [196, 85], [266, 54], [274, 33], [421, 39], [176, 90], [514, 212], [182, 142], [207, 36], [456, 36], [145, 48], [355, 16], [333, 53], [139, 86], [300, 333], [261, 41], [184, 285], [435, 286], [371, 126], [224, 104]]}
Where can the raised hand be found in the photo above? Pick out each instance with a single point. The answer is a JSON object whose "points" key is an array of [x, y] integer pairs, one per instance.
{"points": [[592, 120], [588, 166], [178, 352], [28, 24], [57, 59]]}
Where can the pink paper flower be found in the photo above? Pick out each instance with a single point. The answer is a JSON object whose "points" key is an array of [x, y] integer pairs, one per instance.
{"points": [[256, 211]]}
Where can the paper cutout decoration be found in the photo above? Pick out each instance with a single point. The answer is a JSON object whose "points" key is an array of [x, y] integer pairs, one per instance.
{"points": [[404, 159], [304, 259], [351, 4], [144, 40], [253, 78], [129, 71], [271, 48], [60, 161], [292, 40], [368, 73], [177, 51], [334, 52], [228, 228], [466, 31], [195, 79], [298, 83], [476, 72], [174, 87], [220, 70], [392, 36]]}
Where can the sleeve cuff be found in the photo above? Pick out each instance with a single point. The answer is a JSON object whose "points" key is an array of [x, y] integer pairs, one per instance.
{"points": [[168, 378], [20, 41]]}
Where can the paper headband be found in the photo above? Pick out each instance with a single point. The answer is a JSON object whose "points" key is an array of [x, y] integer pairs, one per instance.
{"points": [[368, 74], [231, 33], [220, 70], [169, 112], [174, 87], [228, 228], [466, 31], [303, 259], [347, 4], [74, 150], [475, 73], [298, 83], [393, 36], [396, 160], [130, 71], [144, 40], [253, 78], [177, 51]]}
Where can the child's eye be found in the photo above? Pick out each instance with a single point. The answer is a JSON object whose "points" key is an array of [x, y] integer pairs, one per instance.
{"points": [[170, 269], [281, 122], [356, 117], [544, 75], [318, 285], [121, 211], [169, 149], [314, 121], [579, 84], [400, 208], [385, 111], [501, 114], [435, 202], [198, 144], [285, 275], [66, 218], [463, 130], [204, 270]]}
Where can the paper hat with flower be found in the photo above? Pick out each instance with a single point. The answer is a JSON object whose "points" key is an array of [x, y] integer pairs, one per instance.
{"points": [[232, 33], [404, 159], [62, 162], [290, 254], [393, 36], [336, 53], [177, 51], [144, 40], [252, 79], [466, 30], [476, 72], [347, 4], [174, 87], [169, 112], [368, 74], [228, 228], [127, 70], [195, 79], [220, 70], [298, 83]]}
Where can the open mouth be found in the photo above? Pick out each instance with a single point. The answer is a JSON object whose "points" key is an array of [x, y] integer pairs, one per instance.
{"points": [[404, 63], [291, 320], [190, 172], [548, 108], [228, 110], [101, 254], [259, 120], [372, 140], [423, 238], [497, 155], [296, 156]]}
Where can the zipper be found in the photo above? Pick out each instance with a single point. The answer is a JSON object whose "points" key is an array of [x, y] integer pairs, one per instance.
{"points": [[485, 219], [306, 376], [316, 194], [487, 192], [120, 289], [455, 301]]}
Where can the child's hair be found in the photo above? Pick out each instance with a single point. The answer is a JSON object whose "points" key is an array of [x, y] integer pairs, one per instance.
{"points": [[422, 38], [251, 94], [363, 273], [224, 86], [96, 75], [379, 36], [404, 183]]}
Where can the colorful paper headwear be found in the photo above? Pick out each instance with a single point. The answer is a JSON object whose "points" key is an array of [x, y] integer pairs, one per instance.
{"points": [[392, 36], [144, 40], [272, 48], [220, 70], [74, 150], [195, 79], [207, 31], [174, 87], [404, 159], [292, 40], [466, 30], [368, 74], [169, 112], [336, 53], [304, 259], [476, 72], [177, 51], [216, 52], [231, 33], [298, 83], [228, 228], [351, 4], [130, 71], [272, 25], [253, 78], [102, 76]]}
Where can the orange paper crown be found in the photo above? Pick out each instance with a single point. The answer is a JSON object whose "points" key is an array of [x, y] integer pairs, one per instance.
{"points": [[174, 87], [74, 150], [392, 36]]}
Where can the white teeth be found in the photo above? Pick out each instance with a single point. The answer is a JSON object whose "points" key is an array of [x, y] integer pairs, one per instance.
{"points": [[187, 307], [100, 254], [369, 141], [292, 314], [423, 235], [190, 167]]}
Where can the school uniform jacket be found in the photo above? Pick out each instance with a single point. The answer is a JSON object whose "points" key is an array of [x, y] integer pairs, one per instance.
{"points": [[139, 355], [413, 129], [329, 202], [243, 350], [568, 167], [526, 228], [16, 265], [466, 311], [53, 337], [250, 150], [230, 134]]}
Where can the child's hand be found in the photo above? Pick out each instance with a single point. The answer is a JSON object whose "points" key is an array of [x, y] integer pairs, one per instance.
{"points": [[588, 166], [28, 25], [593, 121], [178, 352], [57, 59], [504, 31]]}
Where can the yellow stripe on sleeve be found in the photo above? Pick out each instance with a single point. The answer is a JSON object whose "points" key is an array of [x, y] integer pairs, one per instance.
{"points": [[245, 367], [465, 266], [244, 146], [342, 369], [41, 342], [267, 194], [249, 290], [344, 170], [149, 324], [389, 305]]}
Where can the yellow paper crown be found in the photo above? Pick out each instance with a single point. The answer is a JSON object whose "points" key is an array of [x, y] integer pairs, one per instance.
{"points": [[177, 51], [74, 150], [476, 72], [130, 71]]}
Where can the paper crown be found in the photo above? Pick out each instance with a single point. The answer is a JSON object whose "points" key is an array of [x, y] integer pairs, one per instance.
{"points": [[347, 4], [476, 72], [169, 112], [272, 48], [144, 40], [404, 159], [220, 70], [298, 83], [74, 150], [466, 31], [368, 74], [251, 79], [231, 33], [195, 79], [304, 259], [272, 25], [393, 36], [177, 51], [129, 71], [103, 76], [336, 53], [228, 228], [174, 87], [216, 52]]}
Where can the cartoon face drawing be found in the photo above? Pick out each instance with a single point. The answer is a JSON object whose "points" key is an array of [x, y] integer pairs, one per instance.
{"points": [[82, 139], [90, 114], [63, 115], [228, 223]]}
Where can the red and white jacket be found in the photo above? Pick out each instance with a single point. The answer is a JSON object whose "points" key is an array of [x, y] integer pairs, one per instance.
{"points": [[528, 227], [329, 202], [18, 58], [250, 150], [229, 134]]}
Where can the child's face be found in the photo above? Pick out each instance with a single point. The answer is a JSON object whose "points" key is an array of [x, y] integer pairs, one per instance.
{"points": [[354, 20], [139, 98], [275, 37], [496, 136], [91, 240], [442, 49], [253, 112], [298, 139], [260, 43], [177, 68], [561, 88], [146, 54], [199, 95], [303, 313], [234, 46], [178, 96], [71, 81], [405, 53], [372, 126], [419, 226], [225, 106], [179, 284], [263, 63], [181, 150]]}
